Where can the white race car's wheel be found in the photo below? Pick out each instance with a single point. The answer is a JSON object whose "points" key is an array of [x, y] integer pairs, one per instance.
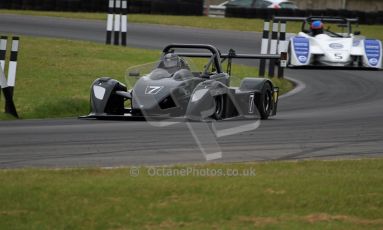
{"points": [[289, 55]]}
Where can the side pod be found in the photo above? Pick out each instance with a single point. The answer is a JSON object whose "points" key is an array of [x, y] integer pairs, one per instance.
{"points": [[372, 53], [299, 51], [257, 85], [203, 101]]}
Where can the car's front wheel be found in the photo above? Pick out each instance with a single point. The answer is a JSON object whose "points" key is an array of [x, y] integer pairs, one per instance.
{"points": [[219, 108]]}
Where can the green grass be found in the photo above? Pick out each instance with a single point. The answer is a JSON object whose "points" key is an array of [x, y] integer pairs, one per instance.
{"points": [[54, 75], [282, 195], [241, 24]]}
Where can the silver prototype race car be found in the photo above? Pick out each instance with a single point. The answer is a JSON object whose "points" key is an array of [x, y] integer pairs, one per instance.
{"points": [[320, 45], [172, 88]]}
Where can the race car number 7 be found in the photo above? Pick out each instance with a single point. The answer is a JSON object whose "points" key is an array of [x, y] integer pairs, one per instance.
{"points": [[153, 89]]}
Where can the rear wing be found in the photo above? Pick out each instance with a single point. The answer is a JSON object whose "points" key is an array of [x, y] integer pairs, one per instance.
{"points": [[218, 58], [345, 21]]}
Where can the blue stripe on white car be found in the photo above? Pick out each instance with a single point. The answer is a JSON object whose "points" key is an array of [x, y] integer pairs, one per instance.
{"points": [[373, 50], [301, 49]]}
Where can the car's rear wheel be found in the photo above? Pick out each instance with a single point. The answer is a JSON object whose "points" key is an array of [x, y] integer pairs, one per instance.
{"points": [[219, 108], [264, 101]]}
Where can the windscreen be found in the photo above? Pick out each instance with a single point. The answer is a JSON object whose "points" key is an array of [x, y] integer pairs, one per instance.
{"points": [[135, 72], [157, 70], [333, 29]]}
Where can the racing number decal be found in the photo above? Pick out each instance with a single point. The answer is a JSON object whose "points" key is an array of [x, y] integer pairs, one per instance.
{"points": [[251, 103], [153, 89], [338, 56]]}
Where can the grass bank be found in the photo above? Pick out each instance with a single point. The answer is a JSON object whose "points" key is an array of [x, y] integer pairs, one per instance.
{"points": [[55, 82], [344, 194], [241, 24]]}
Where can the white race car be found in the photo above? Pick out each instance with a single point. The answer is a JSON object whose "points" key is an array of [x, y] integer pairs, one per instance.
{"points": [[319, 45]]}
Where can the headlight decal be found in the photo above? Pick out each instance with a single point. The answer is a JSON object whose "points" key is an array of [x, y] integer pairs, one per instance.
{"points": [[198, 94]]}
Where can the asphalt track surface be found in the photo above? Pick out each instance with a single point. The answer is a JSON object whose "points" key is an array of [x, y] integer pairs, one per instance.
{"points": [[335, 114]]}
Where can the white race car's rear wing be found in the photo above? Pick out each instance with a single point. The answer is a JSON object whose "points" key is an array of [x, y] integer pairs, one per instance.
{"points": [[313, 18], [346, 22]]}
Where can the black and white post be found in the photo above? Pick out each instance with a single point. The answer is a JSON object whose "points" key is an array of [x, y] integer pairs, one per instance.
{"points": [[3, 80], [3, 52], [282, 46], [7, 85], [124, 22], [13, 64], [274, 44], [273, 48], [264, 47], [117, 22], [109, 23]]}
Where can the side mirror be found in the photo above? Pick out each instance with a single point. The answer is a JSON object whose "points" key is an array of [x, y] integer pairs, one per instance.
{"points": [[134, 74], [357, 33], [283, 62]]}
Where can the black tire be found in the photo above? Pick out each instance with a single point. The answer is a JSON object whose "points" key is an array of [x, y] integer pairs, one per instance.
{"points": [[265, 102], [219, 108]]}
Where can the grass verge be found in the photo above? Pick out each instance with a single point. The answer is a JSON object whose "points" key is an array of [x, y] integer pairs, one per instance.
{"points": [[344, 194], [241, 24], [55, 82]]}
